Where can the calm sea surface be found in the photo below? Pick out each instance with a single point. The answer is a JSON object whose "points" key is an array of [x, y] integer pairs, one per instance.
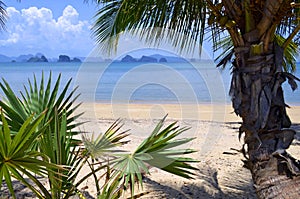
{"points": [[136, 82]]}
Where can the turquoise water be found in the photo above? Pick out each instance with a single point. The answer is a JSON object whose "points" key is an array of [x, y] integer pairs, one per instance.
{"points": [[136, 82]]}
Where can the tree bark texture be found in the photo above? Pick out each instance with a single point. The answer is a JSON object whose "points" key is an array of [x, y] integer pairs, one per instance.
{"points": [[257, 96]]}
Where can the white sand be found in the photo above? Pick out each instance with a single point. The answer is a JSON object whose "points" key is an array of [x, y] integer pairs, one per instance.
{"points": [[215, 128]]}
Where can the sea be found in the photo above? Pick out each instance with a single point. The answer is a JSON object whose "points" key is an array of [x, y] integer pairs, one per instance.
{"points": [[135, 82]]}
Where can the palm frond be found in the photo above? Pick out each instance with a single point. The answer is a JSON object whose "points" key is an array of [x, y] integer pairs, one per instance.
{"points": [[158, 150], [61, 150], [17, 159], [105, 144], [37, 98], [180, 22], [57, 140], [290, 54], [160, 146], [3, 15], [290, 19], [224, 45]]}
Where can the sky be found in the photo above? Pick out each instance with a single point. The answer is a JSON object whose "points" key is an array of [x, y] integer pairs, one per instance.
{"points": [[42, 26], [59, 27]]}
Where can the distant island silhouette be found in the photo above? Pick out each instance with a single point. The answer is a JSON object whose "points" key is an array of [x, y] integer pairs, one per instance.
{"points": [[39, 57], [156, 58], [66, 58]]}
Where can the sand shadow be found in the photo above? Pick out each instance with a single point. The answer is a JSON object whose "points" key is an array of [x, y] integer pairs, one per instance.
{"points": [[206, 185], [21, 191]]}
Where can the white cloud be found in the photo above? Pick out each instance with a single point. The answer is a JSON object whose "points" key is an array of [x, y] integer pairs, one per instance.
{"points": [[36, 30]]}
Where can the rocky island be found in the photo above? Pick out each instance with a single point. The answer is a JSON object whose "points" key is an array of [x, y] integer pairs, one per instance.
{"points": [[66, 58], [38, 58], [144, 58]]}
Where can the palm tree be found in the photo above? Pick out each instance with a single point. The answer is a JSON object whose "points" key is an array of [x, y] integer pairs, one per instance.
{"points": [[263, 38], [3, 15]]}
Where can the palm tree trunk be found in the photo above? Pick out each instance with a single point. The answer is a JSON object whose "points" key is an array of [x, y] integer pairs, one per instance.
{"points": [[257, 97]]}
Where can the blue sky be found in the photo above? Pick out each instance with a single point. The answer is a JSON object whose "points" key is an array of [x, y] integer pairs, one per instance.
{"points": [[59, 27], [42, 26]]}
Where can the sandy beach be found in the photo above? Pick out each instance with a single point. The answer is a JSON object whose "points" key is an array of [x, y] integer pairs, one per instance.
{"points": [[221, 173]]}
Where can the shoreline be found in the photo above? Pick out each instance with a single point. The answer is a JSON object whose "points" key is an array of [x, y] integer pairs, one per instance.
{"points": [[202, 112], [220, 171], [214, 128]]}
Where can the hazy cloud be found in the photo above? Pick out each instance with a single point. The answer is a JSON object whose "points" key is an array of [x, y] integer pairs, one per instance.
{"points": [[35, 30]]}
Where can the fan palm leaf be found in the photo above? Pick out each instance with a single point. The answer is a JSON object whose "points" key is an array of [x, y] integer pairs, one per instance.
{"points": [[101, 149], [35, 99], [105, 143], [57, 139], [158, 150], [17, 159], [61, 150]]}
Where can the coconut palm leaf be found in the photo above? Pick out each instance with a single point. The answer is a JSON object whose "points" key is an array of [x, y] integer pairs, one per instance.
{"points": [[3, 15], [226, 46], [153, 21], [17, 159], [291, 53], [184, 23]]}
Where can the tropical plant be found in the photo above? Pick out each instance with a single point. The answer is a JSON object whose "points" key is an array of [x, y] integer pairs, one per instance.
{"points": [[3, 15], [38, 137], [261, 45], [158, 150], [17, 159], [115, 171], [57, 141], [38, 97]]}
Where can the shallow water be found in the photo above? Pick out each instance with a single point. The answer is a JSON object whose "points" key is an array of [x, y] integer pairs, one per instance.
{"points": [[136, 82]]}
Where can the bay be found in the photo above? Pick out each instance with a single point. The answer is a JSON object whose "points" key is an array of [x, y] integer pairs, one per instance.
{"points": [[118, 82]]}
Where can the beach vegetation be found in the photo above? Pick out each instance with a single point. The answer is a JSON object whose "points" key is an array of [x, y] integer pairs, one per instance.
{"points": [[257, 39], [39, 139]]}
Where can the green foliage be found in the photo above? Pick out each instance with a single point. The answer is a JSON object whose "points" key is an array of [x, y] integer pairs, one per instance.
{"points": [[160, 146], [17, 160], [105, 143], [97, 154], [61, 149], [3, 15], [56, 141], [289, 59], [153, 21], [158, 151], [290, 54], [37, 98], [226, 46], [184, 23], [37, 138]]}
